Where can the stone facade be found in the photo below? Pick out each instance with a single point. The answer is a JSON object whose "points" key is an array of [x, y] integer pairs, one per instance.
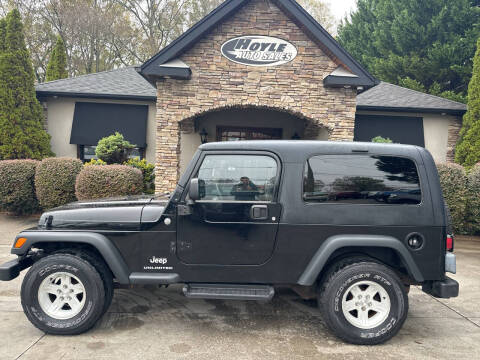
{"points": [[453, 134], [216, 83]]}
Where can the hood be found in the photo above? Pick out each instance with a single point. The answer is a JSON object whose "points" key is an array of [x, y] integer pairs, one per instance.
{"points": [[122, 213]]}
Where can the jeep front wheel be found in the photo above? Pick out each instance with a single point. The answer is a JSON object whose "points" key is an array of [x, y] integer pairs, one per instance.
{"points": [[63, 294], [363, 303]]}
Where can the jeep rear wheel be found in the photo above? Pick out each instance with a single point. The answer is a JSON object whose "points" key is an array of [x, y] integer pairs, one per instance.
{"points": [[63, 294], [363, 303]]}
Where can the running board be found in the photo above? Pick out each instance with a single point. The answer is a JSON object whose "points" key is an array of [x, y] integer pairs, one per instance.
{"points": [[229, 291]]}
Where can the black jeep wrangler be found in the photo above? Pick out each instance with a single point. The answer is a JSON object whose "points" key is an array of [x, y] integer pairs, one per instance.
{"points": [[352, 224]]}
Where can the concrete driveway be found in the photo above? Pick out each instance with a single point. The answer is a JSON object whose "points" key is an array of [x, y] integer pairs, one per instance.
{"points": [[152, 323]]}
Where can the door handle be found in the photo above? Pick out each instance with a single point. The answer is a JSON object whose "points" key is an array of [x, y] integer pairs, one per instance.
{"points": [[259, 212]]}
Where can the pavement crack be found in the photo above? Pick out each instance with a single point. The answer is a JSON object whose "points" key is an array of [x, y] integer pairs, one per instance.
{"points": [[31, 345], [459, 313]]}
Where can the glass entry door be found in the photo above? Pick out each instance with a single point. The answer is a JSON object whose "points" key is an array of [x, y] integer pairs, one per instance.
{"points": [[231, 133]]}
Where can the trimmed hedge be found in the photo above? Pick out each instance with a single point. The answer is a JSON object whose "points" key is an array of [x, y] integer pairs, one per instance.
{"points": [[55, 181], [473, 200], [96, 182], [453, 180], [17, 186], [148, 172]]}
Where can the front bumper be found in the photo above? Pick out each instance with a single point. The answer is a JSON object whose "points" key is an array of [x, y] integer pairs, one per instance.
{"points": [[11, 269], [446, 288]]}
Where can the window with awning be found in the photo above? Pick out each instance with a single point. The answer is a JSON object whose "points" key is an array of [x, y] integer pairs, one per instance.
{"points": [[399, 129], [93, 121]]}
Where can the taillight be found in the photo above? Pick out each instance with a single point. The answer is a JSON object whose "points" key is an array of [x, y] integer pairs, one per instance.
{"points": [[449, 243]]}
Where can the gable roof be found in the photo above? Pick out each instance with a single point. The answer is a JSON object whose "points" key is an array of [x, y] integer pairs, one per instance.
{"points": [[124, 83], [386, 96], [153, 67]]}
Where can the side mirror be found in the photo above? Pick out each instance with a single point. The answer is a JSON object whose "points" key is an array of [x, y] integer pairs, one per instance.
{"points": [[194, 190]]}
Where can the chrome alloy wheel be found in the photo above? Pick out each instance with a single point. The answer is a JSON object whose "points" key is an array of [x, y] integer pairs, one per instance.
{"points": [[61, 295], [366, 304]]}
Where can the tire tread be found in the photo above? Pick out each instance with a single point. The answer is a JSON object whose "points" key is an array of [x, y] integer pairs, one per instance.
{"points": [[26, 291], [331, 276]]}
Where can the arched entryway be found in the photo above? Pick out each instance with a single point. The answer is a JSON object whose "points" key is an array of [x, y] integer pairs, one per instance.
{"points": [[245, 123]]}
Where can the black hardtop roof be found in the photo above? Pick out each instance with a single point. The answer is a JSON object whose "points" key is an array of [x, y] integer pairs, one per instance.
{"points": [[296, 150]]}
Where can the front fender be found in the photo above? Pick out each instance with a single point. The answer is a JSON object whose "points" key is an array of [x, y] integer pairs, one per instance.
{"points": [[336, 242], [105, 247]]}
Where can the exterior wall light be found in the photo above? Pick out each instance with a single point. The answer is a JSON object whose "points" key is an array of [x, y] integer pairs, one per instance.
{"points": [[204, 136]]}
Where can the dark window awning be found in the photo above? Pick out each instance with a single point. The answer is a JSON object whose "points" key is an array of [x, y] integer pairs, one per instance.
{"points": [[400, 129], [93, 121]]}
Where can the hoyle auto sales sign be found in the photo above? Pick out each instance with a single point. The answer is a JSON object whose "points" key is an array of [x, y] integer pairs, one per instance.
{"points": [[258, 50]]}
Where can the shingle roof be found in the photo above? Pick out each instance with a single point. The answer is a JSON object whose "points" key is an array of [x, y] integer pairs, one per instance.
{"points": [[124, 83], [393, 97]]}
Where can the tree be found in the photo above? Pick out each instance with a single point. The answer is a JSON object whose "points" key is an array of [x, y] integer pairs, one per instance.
{"points": [[159, 22], [3, 30], [21, 115], [467, 151], [198, 9], [95, 32], [113, 149], [57, 66], [50, 74], [429, 42], [39, 34], [320, 11]]}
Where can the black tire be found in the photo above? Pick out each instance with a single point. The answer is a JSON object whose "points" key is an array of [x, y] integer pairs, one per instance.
{"points": [[102, 269], [338, 282], [93, 306]]}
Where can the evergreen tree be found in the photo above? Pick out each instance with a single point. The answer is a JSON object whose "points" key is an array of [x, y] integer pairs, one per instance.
{"points": [[21, 115], [468, 148], [57, 66], [410, 42], [3, 30], [50, 73]]}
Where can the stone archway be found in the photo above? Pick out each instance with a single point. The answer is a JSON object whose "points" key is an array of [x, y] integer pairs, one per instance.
{"points": [[180, 139], [311, 129]]}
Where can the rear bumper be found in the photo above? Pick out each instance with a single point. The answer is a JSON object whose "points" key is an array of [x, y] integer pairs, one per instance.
{"points": [[446, 288], [11, 269]]}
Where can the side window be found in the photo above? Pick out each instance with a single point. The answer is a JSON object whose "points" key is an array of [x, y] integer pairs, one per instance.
{"points": [[238, 178], [361, 179]]}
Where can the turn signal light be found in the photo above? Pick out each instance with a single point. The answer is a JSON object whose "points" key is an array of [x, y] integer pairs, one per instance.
{"points": [[449, 243], [20, 241]]}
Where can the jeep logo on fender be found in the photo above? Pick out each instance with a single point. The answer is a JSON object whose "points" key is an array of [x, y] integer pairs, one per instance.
{"points": [[258, 50], [155, 260]]}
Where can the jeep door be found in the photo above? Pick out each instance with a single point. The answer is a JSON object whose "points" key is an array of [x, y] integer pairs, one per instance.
{"points": [[235, 221]]}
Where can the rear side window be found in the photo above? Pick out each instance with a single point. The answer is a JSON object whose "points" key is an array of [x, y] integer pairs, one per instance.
{"points": [[361, 179]]}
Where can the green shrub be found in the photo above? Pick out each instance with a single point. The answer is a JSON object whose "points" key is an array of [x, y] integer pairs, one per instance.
{"points": [[95, 162], [148, 172], [473, 199], [453, 180], [17, 186], [96, 182], [113, 149], [55, 181], [379, 139]]}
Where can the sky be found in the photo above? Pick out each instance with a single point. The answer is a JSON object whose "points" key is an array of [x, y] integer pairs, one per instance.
{"points": [[341, 7]]}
